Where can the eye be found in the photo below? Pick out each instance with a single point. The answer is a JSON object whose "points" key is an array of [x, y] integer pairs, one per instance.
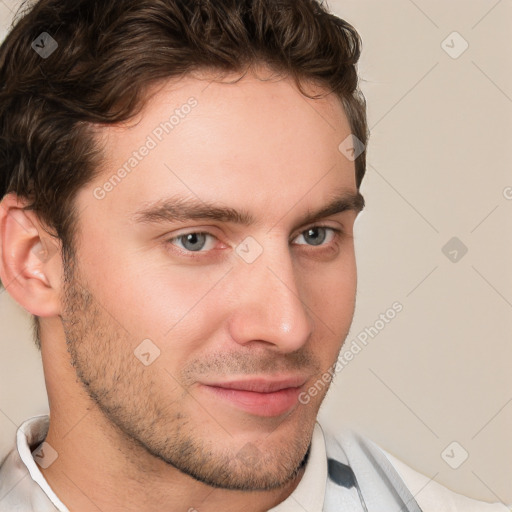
{"points": [[193, 242], [317, 235], [202, 242]]}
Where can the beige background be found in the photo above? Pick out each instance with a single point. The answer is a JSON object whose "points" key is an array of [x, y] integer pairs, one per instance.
{"points": [[439, 167]]}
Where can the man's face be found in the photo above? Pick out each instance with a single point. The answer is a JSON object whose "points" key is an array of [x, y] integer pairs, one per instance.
{"points": [[195, 336]]}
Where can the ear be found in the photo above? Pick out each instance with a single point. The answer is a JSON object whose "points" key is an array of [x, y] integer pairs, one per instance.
{"points": [[30, 259]]}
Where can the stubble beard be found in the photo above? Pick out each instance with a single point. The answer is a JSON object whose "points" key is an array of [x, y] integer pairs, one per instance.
{"points": [[142, 416]]}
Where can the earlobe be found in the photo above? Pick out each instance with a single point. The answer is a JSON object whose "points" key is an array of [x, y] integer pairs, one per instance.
{"points": [[29, 259]]}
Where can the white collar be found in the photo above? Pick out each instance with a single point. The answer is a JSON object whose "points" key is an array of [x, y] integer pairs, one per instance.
{"points": [[33, 432], [309, 494]]}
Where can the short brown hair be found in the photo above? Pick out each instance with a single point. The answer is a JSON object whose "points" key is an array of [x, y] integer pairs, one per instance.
{"points": [[109, 53]]}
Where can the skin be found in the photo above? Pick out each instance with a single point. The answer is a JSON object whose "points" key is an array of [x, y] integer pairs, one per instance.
{"points": [[132, 437]]}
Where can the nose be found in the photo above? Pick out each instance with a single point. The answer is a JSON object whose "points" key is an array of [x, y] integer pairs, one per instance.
{"points": [[269, 306]]}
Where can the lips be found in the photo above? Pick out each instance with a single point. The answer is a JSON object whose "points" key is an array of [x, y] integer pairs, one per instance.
{"points": [[260, 397], [262, 385]]}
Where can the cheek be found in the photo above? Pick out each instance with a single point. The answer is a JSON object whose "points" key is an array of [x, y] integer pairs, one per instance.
{"points": [[120, 287], [330, 297], [331, 291], [170, 305]]}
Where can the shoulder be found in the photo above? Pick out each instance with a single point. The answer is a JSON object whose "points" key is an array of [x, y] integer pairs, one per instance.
{"points": [[431, 495], [385, 473], [20, 485]]}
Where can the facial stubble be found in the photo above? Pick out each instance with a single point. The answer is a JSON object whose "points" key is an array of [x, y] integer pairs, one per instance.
{"points": [[142, 419]]}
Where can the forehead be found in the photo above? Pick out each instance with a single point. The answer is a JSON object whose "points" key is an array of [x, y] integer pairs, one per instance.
{"points": [[251, 139]]}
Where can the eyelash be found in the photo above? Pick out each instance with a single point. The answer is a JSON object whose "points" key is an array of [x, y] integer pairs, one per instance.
{"points": [[337, 233]]}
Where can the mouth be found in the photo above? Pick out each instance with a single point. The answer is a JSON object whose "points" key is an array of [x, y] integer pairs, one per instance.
{"points": [[260, 397]]}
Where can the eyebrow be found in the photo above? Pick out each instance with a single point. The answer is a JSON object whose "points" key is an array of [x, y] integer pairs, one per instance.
{"points": [[182, 209]]}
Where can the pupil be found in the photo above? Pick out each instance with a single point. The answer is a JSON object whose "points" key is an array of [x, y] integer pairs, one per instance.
{"points": [[193, 239], [316, 239]]}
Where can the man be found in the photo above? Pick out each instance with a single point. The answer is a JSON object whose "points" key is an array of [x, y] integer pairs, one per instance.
{"points": [[180, 182]]}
